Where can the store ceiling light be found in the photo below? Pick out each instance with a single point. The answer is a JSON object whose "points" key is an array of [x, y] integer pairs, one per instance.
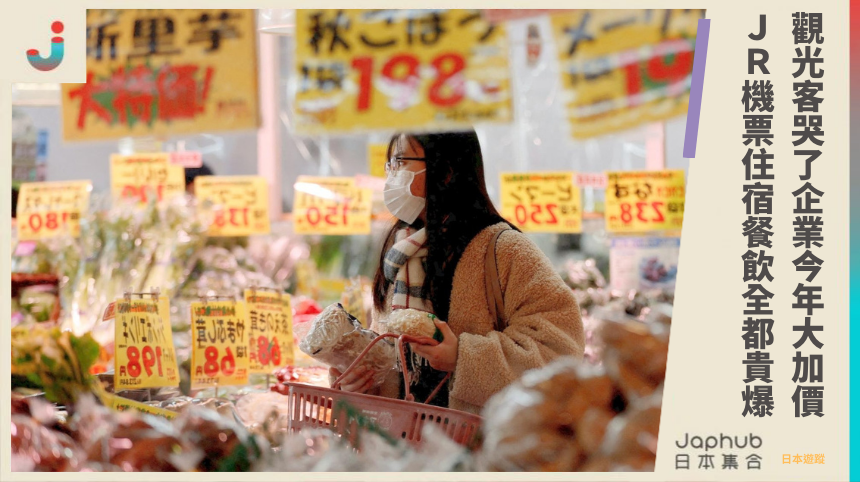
{"points": [[278, 21]]}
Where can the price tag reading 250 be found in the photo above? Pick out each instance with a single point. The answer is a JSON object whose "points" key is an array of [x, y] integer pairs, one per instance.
{"points": [[145, 356], [331, 205], [545, 202], [240, 204], [271, 330], [643, 201], [220, 344]]}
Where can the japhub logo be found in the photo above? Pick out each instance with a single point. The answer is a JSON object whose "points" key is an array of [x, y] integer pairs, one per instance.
{"points": [[56, 56]]}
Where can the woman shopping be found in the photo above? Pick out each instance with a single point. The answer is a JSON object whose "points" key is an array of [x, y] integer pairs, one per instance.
{"points": [[435, 259]]}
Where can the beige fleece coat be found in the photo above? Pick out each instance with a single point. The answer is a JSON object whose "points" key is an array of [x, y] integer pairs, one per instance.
{"points": [[543, 319]]}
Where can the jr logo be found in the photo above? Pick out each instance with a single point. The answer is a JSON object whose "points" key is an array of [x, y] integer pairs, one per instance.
{"points": [[56, 56]]}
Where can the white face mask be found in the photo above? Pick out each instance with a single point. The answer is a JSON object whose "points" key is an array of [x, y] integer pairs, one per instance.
{"points": [[399, 198]]}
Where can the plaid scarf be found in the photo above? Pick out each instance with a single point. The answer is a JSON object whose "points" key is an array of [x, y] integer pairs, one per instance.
{"points": [[404, 266]]}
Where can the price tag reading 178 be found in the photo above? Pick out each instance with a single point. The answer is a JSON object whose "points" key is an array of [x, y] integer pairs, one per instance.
{"points": [[220, 344], [141, 176], [271, 330], [643, 201], [49, 209], [546, 202], [331, 205], [240, 204], [145, 356]]}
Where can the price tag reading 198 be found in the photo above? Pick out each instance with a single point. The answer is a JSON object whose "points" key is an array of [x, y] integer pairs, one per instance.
{"points": [[643, 201], [145, 356]]}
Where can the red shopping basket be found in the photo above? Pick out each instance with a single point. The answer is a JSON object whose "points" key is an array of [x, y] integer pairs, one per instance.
{"points": [[347, 414]]}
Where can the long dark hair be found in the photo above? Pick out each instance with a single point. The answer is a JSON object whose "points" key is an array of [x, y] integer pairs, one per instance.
{"points": [[458, 208]]}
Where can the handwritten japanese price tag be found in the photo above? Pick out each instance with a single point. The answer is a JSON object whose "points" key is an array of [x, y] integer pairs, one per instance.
{"points": [[240, 204], [144, 356], [49, 209], [331, 205], [377, 156], [220, 344], [543, 202], [642, 201], [141, 176], [270, 315]]}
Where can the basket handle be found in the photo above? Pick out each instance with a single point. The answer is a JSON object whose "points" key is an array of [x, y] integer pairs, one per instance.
{"points": [[423, 340]]}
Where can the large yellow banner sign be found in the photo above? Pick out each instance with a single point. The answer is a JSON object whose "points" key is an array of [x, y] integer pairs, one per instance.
{"points": [[156, 72], [622, 68], [360, 70]]}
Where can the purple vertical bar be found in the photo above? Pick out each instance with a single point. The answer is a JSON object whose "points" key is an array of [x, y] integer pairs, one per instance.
{"points": [[698, 81]]}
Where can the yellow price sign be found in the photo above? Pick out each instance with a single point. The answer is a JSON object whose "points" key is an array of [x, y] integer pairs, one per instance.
{"points": [[144, 354], [377, 156], [542, 202], [219, 352], [270, 315], [49, 209], [120, 404], [240, 204], [643, 201], [140, 176], [331, 205]]}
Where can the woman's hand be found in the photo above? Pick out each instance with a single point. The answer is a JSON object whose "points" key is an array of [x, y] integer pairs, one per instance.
{"points": [[442, 357], [359, 380]]}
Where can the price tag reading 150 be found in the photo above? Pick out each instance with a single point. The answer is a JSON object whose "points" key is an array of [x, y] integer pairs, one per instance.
{"points": [[49, 209], [240, 204], [220, 344], [642, 201], [145, 356], [546, 202], [331, 205]]}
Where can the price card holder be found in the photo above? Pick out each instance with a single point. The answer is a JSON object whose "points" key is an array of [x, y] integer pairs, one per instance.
{"points": [[239, 204], [144, 353], [644, 201], [270, 315], [50, 209], [542, 202], [331, 205], [219, 343], [141, 176]]}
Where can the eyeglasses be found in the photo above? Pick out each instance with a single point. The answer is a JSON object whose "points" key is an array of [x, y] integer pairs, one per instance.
{"points": [[396, 163]]}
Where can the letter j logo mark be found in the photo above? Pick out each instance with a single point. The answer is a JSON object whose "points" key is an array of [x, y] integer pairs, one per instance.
{"points": [[56, 56]]}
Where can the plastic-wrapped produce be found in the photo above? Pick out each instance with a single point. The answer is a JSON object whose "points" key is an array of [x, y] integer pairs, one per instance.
{"points": [[226, 444], [410, 322], [631, 439], [336, 339]]}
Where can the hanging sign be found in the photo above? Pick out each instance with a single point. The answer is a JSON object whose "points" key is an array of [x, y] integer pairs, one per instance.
{"points": [[364, 70], [623, 68], [154, 72]]}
